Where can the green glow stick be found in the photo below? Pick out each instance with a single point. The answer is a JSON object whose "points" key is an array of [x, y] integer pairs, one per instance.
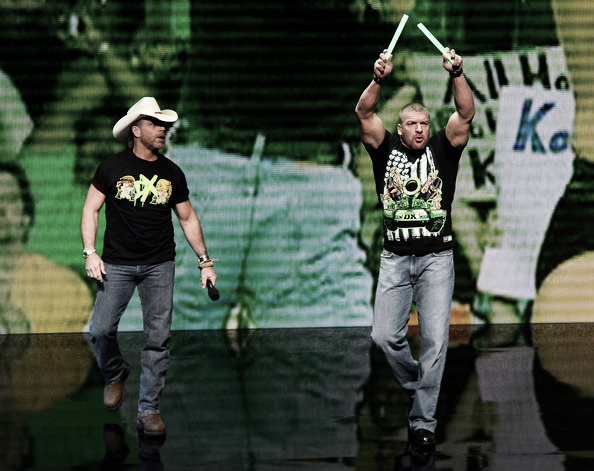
{"points": [[435, 42], [397, 34]]}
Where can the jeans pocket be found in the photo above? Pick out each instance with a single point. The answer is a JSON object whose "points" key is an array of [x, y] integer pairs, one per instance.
{"points": [[386, 254], [444, 253]]}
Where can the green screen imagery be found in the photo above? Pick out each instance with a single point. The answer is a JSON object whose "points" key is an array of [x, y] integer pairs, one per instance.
{"points": [[270, 146]]}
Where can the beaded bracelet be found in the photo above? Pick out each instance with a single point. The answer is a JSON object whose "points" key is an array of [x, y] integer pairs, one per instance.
{"points": [[208, 263]]}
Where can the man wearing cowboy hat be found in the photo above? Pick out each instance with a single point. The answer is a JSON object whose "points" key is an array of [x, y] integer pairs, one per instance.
{"points": [[138, 252]]}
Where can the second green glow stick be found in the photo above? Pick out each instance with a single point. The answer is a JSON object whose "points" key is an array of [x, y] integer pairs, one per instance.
{"points": [[397, 34], [435, 42]]}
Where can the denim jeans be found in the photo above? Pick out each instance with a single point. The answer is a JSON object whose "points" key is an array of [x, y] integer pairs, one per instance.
{"points": [[155, 290], [427, 281]]}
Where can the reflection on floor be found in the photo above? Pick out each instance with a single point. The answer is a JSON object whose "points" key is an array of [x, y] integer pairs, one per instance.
{"points": [[513, 398]]}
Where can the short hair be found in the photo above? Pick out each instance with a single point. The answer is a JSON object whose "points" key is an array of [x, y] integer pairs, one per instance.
{"points": [[413, 107]]}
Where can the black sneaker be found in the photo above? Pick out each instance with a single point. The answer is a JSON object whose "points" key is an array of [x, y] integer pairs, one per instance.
{"points": [[422, 437]]}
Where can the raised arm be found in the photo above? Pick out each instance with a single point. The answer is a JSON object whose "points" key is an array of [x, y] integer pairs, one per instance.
{"points": [[371, 126], [458, 127]]}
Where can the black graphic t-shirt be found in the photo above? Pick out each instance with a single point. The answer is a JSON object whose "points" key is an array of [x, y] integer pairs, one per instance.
{"points": [[140, 196], [416, 190]]}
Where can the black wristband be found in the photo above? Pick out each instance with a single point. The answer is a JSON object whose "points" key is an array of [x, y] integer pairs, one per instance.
{"points": [[378, 80]]}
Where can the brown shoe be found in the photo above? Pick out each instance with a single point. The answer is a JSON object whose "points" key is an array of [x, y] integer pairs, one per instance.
{"points": [[150, 424], [113, 394]]}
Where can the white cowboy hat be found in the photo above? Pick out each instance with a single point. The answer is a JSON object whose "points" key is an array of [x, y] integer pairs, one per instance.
{"points": [[146, 106]]}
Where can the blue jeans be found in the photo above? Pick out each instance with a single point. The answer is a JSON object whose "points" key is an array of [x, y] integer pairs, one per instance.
{"points": [[427, 281], [155, 289]]}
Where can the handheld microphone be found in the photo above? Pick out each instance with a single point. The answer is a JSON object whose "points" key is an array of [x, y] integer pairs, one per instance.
{"points": [[213, 293]]}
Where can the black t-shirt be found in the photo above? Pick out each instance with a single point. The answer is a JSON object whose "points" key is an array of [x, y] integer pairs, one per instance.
{"points": [[416, 190], [140, 196]]}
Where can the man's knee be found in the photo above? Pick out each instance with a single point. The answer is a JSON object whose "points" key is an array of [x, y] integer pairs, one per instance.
{"points": [[388, 342], [99, 331]]}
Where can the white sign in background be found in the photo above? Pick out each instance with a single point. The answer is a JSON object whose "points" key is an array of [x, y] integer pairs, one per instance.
{"points": [[519, 155], [533, 164]]}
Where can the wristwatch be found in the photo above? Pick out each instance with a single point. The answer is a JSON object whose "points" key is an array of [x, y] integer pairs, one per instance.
{"points": [[87, 253]]}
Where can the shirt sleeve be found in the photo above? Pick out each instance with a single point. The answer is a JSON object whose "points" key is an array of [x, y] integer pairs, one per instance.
{"points": [[99, 180], [181, 193], [452, 152]]}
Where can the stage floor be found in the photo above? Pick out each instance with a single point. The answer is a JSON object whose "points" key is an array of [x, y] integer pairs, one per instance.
{"points": [[513, 398]]}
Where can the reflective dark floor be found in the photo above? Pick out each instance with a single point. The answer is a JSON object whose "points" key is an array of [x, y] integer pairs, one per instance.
{"points": [[513, 398]]}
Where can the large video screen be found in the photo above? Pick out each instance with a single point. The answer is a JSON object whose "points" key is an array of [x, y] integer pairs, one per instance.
{"points": [[270, 146]]}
